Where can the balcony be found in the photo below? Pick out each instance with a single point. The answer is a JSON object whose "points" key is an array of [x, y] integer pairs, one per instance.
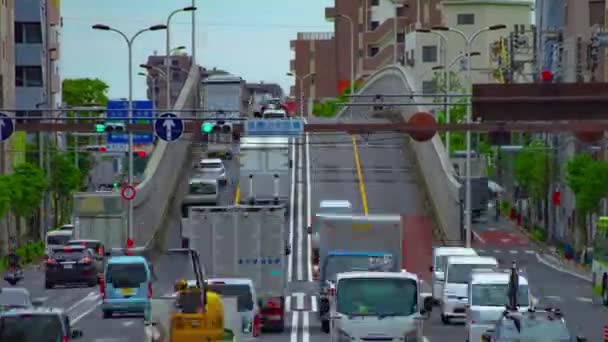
{"points": [[382, 31], [381, 59], [330, 13], [315, 35]]}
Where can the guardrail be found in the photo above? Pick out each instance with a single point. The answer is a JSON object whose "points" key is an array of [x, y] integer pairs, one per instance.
{"points": [[433, 162], [162, 173]]}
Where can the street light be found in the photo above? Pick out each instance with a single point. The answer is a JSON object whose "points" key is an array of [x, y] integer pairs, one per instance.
{"points": [[129, 42], [468, 44], [352, 51], [301, 81], [168, 54]]}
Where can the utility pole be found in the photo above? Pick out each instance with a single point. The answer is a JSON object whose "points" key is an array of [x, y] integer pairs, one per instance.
{"points": [[49, 104]]}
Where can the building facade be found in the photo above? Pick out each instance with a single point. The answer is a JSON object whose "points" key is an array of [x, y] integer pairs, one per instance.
{"points": [[7, 73], [156, 79]]}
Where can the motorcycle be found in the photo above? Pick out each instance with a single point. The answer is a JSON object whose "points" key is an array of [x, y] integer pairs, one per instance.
{"points": [[13, 276]]}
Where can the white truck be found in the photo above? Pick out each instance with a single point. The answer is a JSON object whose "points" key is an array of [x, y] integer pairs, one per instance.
{"points": [[100, 216], [349, 242], [265, 165], [245, 242]]}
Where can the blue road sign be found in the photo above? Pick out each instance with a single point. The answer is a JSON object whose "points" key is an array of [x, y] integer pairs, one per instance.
{"points": [[169, 127], [143, 113], [7, 127], [274, 127]]}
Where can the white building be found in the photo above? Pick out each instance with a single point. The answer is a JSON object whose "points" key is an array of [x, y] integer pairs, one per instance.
{"points": [[423, 49]]}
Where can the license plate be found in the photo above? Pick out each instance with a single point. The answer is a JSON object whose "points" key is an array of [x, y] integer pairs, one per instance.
{"points": [[127, 292], [68, 266]]}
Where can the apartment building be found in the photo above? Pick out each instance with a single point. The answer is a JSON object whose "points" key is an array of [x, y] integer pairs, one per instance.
{"points": [[7, 73], [156, 80], [423, 51]]}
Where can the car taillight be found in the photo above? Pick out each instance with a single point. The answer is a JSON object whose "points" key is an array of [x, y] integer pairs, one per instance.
{"points": [[149, 290], [257, 325], [51, 261], [85, 260], [331, 292], [274, 302], [100, 251], [65, 339]]}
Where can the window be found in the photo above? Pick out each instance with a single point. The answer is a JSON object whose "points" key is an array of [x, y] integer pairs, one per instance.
{"points": [[126, 275], [373, 50], [31, 328], [242, 292], [377, 296], [496, 294], [29, 33], [176, 77], [596, 12], [465, 19], [373, 25], [57, 239], [375, 2], [400, 37], [429, 54], [28, 76], [428, 87]]}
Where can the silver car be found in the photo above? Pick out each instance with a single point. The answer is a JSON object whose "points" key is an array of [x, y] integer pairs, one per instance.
{"points": [[201, 191], [212, 169]]}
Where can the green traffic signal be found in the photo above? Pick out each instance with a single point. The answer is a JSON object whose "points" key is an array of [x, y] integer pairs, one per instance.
{"points": [[207, 127], [100, 128]]}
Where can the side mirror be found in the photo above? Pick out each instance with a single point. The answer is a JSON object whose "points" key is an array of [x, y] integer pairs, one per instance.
{"points": [[37, 303], [309, 229], [431, 268], [76, 333], [424, 314]]}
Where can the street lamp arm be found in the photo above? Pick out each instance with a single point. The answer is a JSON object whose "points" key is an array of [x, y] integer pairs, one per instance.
{"points": [[121, 34], [137, 34]]}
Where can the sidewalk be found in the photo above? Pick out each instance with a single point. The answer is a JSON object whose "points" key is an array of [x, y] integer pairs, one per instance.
{"points": [[547, 254]]}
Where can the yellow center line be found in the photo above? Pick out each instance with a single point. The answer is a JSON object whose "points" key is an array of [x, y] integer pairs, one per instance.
{"points": [[237, 194], [360, 176]]}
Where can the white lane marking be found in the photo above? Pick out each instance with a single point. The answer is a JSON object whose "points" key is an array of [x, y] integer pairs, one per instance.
{"points": [[554, 298], [497, 251], [294, 327], [513, 251], [425, 339], [584, 299], [299, 260], [82, 315], [299, 300], [308, 208], [287, 303], [305, 332], [128, 323], [90, 297], [561, 269], [492, 229], [313, 304], [530, 251], [291, 212], [478, 237]]}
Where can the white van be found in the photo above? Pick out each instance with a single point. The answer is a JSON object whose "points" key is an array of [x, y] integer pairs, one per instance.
{"points": [[488, 297], [379, 306], [57, 238], [455, 286], [440, 256]]}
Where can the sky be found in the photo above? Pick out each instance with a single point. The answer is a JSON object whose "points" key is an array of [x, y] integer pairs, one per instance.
{"points": [[249, 38]]}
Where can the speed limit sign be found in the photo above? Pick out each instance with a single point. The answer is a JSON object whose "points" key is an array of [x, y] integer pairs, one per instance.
{"points": [[128, 192]]}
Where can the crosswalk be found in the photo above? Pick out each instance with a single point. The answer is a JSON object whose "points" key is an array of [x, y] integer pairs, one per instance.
{"points": [[299, 301]]}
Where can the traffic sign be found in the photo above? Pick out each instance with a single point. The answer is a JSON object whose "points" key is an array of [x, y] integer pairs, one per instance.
{"points": [[128, 192], [7, 126], [130, 243], [274, 127], [169, 127], [143, 113]]}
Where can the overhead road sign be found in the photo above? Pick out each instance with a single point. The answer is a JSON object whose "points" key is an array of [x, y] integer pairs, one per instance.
{"points": [[169, 127], [143, 113], [7, 126], [266, 127]]}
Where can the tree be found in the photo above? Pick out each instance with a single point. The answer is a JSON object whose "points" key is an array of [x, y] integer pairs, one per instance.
{"points": [[587, 179], [85, 92], [65, 179], [330, 107], [29, 184]]}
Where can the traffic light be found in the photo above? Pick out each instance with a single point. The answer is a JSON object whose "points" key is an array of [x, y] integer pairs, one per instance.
{"points": [[140, 154], [546, 75], [206, 127], [96, 148], [100, 128]]}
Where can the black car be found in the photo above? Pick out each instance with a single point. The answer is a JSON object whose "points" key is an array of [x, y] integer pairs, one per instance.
{"points": [[37, 324], [96, 246], [532, 325], [70, 265]]}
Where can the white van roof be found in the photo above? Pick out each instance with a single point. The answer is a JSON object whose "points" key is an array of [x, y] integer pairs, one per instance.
{"points": [[495, 278], [455, 251], [472, 260], [59, 233]]}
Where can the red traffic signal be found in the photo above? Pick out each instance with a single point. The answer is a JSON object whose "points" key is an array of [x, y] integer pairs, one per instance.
{"points": [[103, 149], [141, 154], [130, 243], [546, 75]]}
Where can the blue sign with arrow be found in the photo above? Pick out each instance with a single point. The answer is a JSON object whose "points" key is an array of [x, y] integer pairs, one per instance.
{"points": [[7, 127], [169, 127]]}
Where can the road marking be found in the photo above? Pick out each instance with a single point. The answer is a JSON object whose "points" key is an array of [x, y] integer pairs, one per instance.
{"points": [[237, 195], [291, 213], [478, 237], [82, 315], [491, 229], [287, 303], [308, 207], [299, 300], [300, 216], [554, 298], [529, 251], [513, 251], [294, 327], [313, 304], [360, 176], [561, 269], [90, 297], [305, 331], [497, 251], [128, 323], [584, 299]]}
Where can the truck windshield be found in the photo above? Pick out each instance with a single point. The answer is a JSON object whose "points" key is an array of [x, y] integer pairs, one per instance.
{"points": [[346, 263], [274, 115], [377, 296], [460, 273], [496, 295], [210, 166]]}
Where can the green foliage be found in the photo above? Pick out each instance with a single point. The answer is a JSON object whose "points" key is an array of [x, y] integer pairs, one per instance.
{"points": [[29, 184], [6, 193], [538, 234], [31, 252], [65, 179], [587, 179], [531, 169], [330, 107], [440, 85], [85, 92]]}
